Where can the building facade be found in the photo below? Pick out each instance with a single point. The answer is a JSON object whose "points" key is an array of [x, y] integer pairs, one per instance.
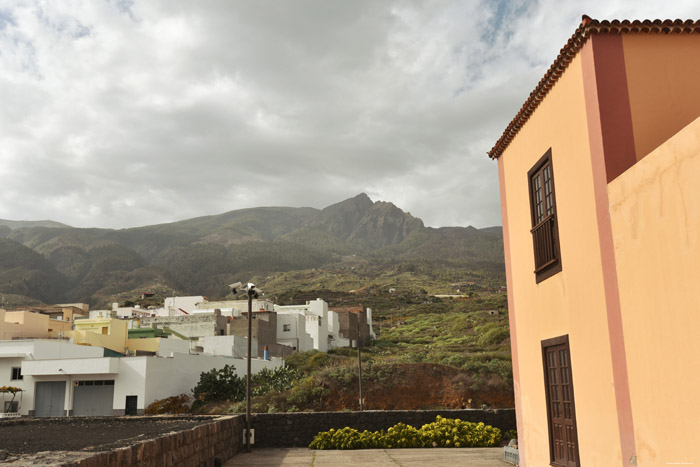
{"points": [[61, 379], [601, 222]]}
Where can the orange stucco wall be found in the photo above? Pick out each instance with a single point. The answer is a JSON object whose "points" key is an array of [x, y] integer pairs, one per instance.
{"points": [[662, 77], [655, 215], [571, 302]]}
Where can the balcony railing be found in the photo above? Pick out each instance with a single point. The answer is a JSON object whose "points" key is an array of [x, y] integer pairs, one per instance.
{"points": [[543, 239]]}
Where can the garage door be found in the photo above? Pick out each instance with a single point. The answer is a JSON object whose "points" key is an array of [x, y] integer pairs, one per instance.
{"points": [[50, 398], [93, 398]]}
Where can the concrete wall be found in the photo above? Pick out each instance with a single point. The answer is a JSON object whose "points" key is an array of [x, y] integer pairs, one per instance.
{"points": [[232, 346], [655, 214], [189, 304], [234, 307], [203, 324], [298, 429], [264, 329]]}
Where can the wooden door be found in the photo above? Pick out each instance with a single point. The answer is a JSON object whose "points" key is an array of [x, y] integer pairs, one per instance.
{"points": [[561, 411]]}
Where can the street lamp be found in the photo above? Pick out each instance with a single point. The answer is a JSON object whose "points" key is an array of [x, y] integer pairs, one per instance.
{"points": [[252, 293]]}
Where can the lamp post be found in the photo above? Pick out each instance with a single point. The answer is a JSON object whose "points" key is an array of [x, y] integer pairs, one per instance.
{"points": [[252, 293], [359, 364]]}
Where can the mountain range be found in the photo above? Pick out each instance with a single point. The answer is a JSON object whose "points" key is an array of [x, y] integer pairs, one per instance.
{"points": [[51, 262]]}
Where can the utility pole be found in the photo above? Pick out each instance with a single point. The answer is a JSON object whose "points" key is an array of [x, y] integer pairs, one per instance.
{"points": [[251, 292], [359, 363]]}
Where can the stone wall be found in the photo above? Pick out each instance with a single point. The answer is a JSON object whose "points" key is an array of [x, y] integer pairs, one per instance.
{"points": [[205, 445], [298, 429]]}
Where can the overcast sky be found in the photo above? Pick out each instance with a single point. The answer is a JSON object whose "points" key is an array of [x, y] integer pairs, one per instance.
{"points": [[125, 113]]}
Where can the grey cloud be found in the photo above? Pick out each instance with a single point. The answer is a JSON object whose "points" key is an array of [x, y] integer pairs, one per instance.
{"points": [[126, 113]]}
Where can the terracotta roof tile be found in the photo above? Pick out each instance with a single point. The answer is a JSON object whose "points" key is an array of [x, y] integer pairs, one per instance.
{"points": [[568, 52]]}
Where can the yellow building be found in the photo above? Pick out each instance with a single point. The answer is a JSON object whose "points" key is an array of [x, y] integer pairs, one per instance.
{"points": [[113, 334], [103, 332], [601, 223]]}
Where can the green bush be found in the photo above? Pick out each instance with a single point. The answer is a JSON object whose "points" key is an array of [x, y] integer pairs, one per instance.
{"points": [[443, 432], [266, 380], [494, 336], [307, 362], [219, 385], [173, 404]]}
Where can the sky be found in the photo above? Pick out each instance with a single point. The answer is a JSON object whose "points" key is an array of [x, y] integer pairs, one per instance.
{"points": [[123, 113]]}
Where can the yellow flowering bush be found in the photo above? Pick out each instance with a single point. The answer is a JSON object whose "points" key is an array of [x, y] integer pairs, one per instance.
{"points": [[443, 432]]}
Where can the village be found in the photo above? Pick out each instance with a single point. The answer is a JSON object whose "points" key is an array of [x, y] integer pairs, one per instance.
{"points": [[68, 360]]}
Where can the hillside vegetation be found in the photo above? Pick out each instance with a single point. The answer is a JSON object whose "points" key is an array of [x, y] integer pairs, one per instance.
{"points": [[430, 351]]}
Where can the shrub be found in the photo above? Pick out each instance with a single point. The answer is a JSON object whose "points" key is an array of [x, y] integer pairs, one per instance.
{"points": [[494, 336], [443, 432], [219, 385], [173, 404], [307, 362], [266, 380]]}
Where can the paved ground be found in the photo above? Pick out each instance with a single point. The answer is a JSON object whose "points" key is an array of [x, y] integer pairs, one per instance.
{"points": [[439, 457]]}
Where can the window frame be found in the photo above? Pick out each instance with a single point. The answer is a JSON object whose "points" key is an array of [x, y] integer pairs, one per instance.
{"points": [[556, 266], [16, 376]]}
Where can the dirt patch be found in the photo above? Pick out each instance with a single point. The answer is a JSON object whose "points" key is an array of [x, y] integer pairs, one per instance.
{"points": [[31, 436], [419, 386]]}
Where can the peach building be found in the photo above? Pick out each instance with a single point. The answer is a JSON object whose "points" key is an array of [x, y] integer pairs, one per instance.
{"points": [[23, 325], [600, 201]]}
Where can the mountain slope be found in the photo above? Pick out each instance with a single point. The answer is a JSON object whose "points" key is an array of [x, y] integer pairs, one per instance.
{"points": [[25, 224], [202, 255]]}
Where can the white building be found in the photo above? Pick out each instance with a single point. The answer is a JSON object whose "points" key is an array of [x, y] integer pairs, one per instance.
{"points": [[176, 306], [229, 346], [234, 307], [61, 379], [294, 321], [291, 331]]}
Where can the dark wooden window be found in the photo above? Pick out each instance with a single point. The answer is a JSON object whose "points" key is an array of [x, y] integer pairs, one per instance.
{"points": [[543, 207], [561, 411]]}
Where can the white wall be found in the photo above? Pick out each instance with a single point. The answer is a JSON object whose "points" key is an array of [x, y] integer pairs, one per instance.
{"points": [[369, 321], [234, 307], [189, 304], [315, 324], [167, 347], [297, 336], [179, 375], [95, 314], [230, 346]]}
